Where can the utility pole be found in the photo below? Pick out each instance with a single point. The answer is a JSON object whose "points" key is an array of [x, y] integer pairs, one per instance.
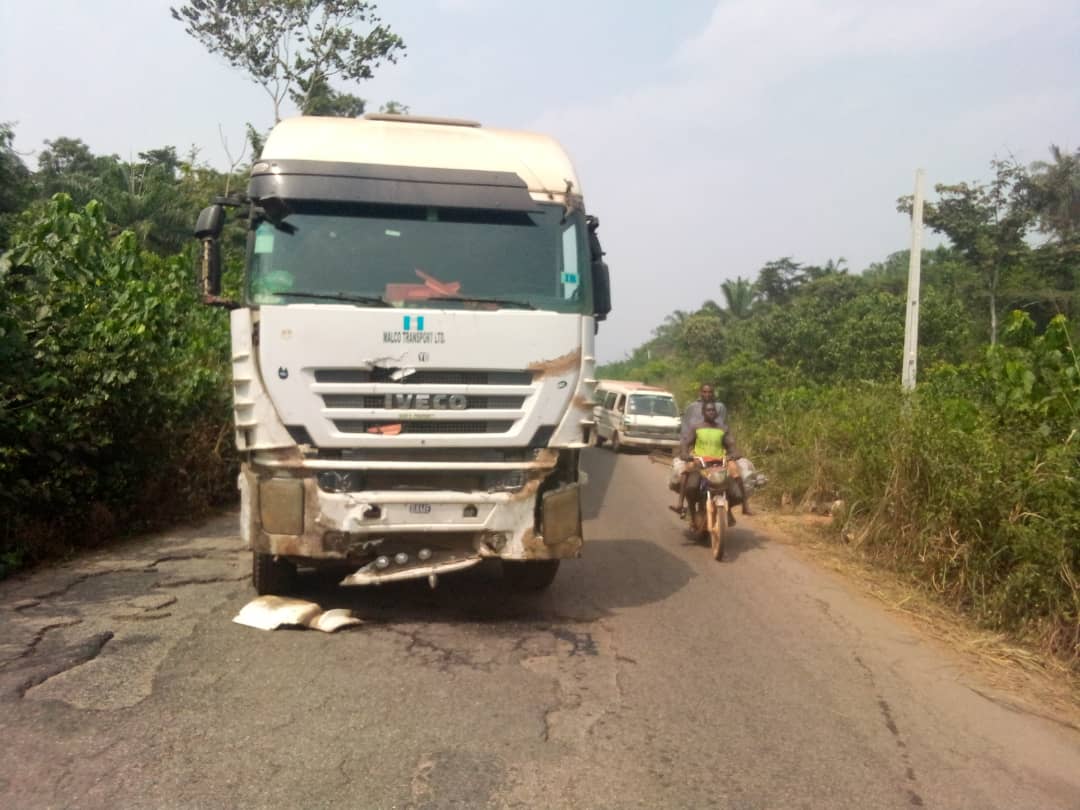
{"points": [[911, 319]]}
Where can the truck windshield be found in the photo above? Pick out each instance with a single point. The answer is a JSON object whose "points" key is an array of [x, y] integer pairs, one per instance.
{"points": [[651, 405], [421, 256]]}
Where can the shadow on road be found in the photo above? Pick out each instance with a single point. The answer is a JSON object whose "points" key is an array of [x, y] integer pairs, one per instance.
{"points": [[613, 574], [739, 539]]}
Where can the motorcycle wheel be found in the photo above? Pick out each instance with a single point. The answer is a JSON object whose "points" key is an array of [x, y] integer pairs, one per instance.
{"points": [[717, 528], [698, 519]]}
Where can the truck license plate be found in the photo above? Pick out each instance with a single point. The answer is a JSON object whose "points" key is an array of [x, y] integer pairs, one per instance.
{"points": [[420, 508]]}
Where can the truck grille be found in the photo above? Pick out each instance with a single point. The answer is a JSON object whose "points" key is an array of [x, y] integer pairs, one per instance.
{"points": [[358, 402], [425, 426], [379, 402]]}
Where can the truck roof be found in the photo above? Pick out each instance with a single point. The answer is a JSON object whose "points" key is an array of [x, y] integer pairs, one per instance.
{"points": [[440, 143]]}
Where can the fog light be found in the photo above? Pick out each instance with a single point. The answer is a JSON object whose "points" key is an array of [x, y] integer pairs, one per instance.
{"points": [[401, 558], [382, 562]]}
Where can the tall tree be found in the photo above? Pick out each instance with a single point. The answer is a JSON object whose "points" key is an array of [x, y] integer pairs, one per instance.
{"points": [[778, 280], [146, 196], [66, 165], [666, 336], [293, 48], [738, 297], [315, 96], [1054, 194], [1054, 189], [16, 187], [987, 223]]}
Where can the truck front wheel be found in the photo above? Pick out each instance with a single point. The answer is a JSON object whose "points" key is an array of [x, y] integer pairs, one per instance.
{"points": [[530, 575], [272, 575]]}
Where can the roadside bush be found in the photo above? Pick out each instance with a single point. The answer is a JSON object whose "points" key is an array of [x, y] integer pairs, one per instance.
{"points": [[970, 485], [112, 380]]}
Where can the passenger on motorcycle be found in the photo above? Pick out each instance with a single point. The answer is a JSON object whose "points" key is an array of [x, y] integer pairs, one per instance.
{"points": [[695, 411], [710, 441]]}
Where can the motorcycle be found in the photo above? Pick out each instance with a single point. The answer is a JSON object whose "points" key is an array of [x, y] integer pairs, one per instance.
{"points": [[711, 497], [708, 503]]}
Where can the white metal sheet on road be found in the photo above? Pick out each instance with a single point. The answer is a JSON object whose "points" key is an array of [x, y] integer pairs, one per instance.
{"points": [[647, 676]]}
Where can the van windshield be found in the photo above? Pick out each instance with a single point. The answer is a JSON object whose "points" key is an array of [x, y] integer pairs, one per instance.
{"points": [[652, 405]]}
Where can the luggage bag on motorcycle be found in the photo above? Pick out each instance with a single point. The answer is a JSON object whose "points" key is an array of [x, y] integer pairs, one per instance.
{"points": [[678, 467]]}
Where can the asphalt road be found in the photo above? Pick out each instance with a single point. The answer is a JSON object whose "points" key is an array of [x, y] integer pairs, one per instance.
{"points": [[647, 676]]}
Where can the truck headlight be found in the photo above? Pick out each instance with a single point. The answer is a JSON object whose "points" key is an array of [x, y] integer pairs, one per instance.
{"points": [[340, 481], [506, 481]]}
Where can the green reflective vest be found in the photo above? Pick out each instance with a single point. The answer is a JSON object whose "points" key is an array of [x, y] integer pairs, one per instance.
{"points": [[709, 442]]}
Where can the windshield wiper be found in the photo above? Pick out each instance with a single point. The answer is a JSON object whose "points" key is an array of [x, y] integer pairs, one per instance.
{"points": [[473, 299], [349, 298]]}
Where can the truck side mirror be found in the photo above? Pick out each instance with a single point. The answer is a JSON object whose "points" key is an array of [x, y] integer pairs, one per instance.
{"points": [[601, 277], [210, 223], [601, 280], [208, 228]]}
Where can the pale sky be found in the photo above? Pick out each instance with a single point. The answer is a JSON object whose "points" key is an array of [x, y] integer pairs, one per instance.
{"points": [[710, 137]]}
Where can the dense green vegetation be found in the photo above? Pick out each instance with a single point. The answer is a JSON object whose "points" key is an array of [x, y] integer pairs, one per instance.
{"points": [[114, 393], [970, 485], [114, 378]]}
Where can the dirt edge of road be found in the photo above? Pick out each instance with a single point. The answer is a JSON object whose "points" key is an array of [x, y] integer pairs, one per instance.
{"points": [[1020, 677]]}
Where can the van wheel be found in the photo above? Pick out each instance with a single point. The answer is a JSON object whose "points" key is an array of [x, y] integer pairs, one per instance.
{"points": [[616, 443], [272, 575]]}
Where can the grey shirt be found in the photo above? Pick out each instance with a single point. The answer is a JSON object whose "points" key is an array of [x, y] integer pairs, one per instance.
{"points": [[695, 415]]}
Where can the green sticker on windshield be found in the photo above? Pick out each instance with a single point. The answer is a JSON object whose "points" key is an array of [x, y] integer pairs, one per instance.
{"points": [[569, 278], [264, 242]]}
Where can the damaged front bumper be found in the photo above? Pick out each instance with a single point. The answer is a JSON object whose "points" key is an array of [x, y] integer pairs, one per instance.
{"points": [[407, 534]]}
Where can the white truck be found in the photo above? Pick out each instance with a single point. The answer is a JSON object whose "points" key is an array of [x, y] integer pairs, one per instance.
{"points": [[413, 361]]}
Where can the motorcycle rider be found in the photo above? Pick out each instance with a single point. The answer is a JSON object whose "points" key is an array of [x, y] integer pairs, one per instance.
{"points": [[693, 416], [711, 441]]}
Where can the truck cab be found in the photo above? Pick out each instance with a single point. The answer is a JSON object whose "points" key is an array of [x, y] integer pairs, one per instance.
{"points": [[413, 352]]}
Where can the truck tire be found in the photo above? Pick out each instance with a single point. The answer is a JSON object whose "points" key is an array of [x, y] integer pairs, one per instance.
{"points": [[530, 575], [272, 575]]}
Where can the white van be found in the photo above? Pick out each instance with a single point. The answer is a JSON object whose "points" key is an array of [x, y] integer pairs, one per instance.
{"points": [[632, 414]]}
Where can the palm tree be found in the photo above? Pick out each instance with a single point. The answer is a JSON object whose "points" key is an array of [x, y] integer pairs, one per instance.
{"points": [[739, 297]]}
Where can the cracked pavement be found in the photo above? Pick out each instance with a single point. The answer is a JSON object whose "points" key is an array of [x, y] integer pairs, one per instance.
{"points": [[647, 676]]}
